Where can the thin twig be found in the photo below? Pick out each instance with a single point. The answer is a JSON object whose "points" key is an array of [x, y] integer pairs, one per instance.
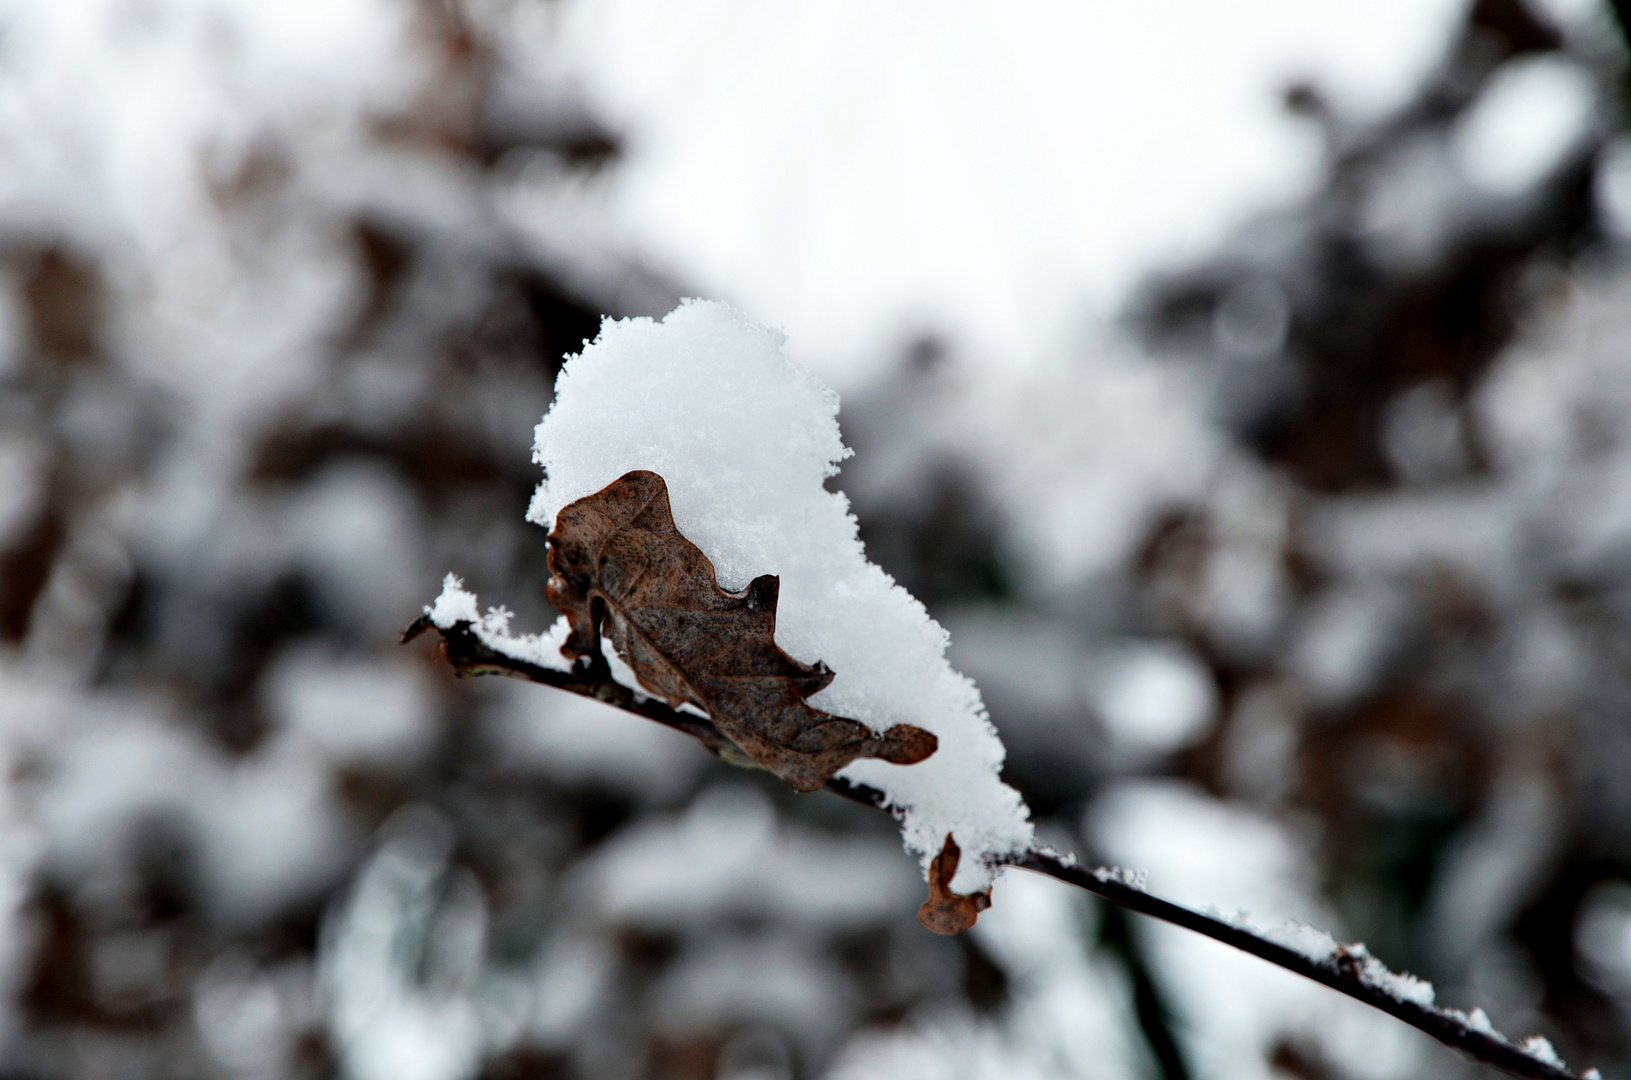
{"points": [[1344, 972]]}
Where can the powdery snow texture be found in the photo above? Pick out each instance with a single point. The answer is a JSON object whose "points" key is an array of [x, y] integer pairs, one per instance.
{"points": [[457, 604], [746, 440]]}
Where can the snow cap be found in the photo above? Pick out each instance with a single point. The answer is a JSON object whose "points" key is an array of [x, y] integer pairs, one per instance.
{"points": [[746, 440]]}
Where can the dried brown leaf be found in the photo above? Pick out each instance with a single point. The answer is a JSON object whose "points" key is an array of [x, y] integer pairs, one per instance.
{"points": [[620, 568], [946, 912]]}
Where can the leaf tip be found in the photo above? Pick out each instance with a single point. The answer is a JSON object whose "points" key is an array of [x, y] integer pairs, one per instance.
{"points": [[904, 744]]}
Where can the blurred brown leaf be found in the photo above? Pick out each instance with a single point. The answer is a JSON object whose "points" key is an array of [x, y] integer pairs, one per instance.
{"points": [[620, 566]]}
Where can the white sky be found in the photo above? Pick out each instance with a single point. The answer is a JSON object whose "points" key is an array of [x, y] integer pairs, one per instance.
{"points": [[857, 170]]}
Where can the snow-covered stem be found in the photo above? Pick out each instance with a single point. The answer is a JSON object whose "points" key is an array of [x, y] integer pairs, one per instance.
{"points": [[1348, 970], [1345, 972]]}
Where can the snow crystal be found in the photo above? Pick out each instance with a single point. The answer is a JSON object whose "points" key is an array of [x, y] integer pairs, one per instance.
{"points": [[457, 604], [1316, 944], [1398, 985], [1309, 941], [1320, 946], [1540, 1048], [1133, 879], [1477, 1020], [746, 440]]}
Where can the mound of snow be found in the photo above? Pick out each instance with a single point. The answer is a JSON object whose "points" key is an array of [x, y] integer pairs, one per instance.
{"points": [[746, 441]]}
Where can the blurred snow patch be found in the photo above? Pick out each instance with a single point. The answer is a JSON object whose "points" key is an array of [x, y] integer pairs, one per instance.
{"points": [[22, 484], [1470, 531], [378, 712], [1070, 1013], [1112, 438], [1614, 186], [1252, 319], [1344, 640], [726, 979], [246, 1016], [944, 171], [267, 827], [1602, 937], [576, 740], [398, 960], [1032, 672], [1527, 119], [727, 856], [570, 978], [1422, 434], [1245, 589], [932, 1051], [1071, 1008], [356, 528], [1155, 698], [1260, 744], [1415, 203], [1493, 870], [1031, 662], [1200, 851]]}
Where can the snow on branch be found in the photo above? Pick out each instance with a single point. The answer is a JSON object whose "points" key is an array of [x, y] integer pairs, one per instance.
{"points": [[1349, 969], [745, 441], [684, 465], [1312, 953]]}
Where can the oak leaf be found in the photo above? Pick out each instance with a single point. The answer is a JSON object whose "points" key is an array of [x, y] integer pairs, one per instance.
{"points": [[946, 912], [620, 568]]}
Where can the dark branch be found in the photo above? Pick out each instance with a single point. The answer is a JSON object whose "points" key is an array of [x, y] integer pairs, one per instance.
{"points": [[1342, 973], [469, 656]]}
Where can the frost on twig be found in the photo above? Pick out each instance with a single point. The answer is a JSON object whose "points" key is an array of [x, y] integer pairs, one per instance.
{"points": [[457, 605], [1316, 955]]}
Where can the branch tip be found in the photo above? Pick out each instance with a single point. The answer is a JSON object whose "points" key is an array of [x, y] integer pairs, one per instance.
{"points": [[415, 628]]}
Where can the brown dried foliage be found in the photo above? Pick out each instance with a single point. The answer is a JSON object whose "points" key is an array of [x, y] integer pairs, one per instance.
{"points": [[946, 912], [620, 568]]}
